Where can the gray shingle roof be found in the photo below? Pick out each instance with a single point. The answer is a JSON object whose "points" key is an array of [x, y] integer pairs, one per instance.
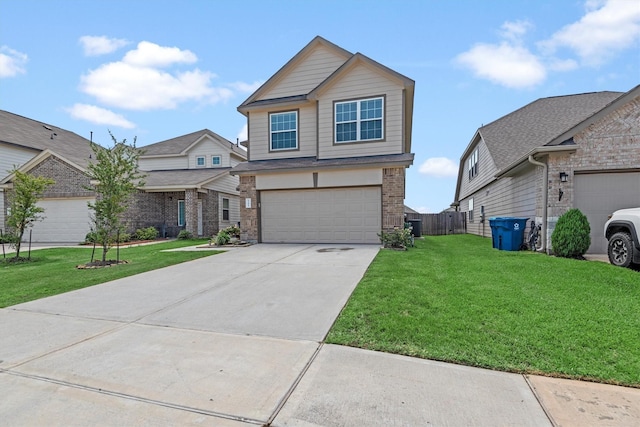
{"points": [[539, 123], [312, 162], [179, 144], [29, 133], [183, 178]]}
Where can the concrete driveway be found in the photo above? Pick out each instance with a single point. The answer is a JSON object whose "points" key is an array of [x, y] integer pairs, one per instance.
{"points": [[236, 339]]}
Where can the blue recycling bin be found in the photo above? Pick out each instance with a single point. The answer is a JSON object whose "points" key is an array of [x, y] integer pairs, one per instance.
{"points": [[507, 233]]}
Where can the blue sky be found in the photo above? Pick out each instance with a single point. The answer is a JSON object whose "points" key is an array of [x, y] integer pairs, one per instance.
{"points": [[160, 69]]}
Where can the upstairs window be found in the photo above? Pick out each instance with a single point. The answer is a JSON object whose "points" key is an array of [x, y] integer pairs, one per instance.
{"points": [[215, 160], [284, 130], [473, 164], [200, 160], [359, 120]]}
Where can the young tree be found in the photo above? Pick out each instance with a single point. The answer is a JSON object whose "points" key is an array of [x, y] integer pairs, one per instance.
{"points": [[23, 211], [115, 176]]}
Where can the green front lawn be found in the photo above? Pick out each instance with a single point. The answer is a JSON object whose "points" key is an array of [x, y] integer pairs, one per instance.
{"points": [[455, 299], [52, 271]]}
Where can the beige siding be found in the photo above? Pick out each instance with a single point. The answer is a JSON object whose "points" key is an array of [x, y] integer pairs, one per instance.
{"points": [[349, 178], [234, 210], [307, 74], [362, 82], [13, 156], [208, 149], [259, 136], [513, 197], [163, 163], [225, 184], [284, 181], [486, 172]]}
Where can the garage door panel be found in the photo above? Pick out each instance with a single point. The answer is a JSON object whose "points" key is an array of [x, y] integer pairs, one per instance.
{"points": [[598, 195], [344, 215], [65, 221]]}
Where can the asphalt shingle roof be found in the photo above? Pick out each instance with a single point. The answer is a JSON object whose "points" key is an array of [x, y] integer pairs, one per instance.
{"points": [[33, 134], [187, 178], [539, 123], [179, 144]]}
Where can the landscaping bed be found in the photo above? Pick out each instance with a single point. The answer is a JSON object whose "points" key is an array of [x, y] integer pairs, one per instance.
{"points": [[455, 299]]}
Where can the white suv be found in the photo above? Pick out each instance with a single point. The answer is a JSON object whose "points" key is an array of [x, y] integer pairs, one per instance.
{"points": [[622, 230]]}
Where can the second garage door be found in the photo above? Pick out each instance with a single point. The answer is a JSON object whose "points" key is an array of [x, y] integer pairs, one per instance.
{"points": [[341, 215], [598, 195], [65, 221]]}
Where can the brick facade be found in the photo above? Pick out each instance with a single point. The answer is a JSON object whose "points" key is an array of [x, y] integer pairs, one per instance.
{"points": [[248, 216], [393, 181], [69, 181], [611, 144]]}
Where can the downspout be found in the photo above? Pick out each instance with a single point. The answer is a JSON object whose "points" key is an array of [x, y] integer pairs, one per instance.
{"points": [[545, 199]]}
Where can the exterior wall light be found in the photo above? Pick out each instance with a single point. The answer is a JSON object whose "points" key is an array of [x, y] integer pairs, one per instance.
{"points": [[563, 177]]}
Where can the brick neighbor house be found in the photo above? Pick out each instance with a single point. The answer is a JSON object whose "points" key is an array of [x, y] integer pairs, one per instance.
{"points": [[329, 142], [575, 151], [188, 185]]}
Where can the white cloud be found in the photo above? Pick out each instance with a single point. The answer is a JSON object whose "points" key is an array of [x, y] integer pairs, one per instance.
{"points": [[607, 28], [99, 116], [100, 45], [246, 87], [505, 64], [12, 62], [439, 167], [144, 80], [149, 54], [243, 135], [515, 30]]}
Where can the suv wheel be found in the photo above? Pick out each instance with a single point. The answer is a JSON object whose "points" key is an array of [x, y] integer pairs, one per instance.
{"points": [[620, 249]]}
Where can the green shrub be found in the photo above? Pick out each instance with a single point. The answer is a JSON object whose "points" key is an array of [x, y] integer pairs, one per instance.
{"points": [[149, 233], [232, 230], [570, 238], [124, 237], [399, 238], [184, 235], [222, 238], [8, 238]]}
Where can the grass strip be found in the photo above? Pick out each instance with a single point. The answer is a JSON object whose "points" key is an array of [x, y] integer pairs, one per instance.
{"points": [[53, 271], [456, 299]]}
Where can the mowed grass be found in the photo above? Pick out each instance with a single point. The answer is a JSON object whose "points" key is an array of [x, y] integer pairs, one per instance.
{"points": [[53, 271], [455, 299]]}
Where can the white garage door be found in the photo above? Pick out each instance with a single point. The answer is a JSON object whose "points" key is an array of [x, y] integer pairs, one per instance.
{"points": [[65, 221], [598, 195], [342, 215]]}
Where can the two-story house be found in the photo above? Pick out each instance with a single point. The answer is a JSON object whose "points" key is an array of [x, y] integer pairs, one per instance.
{"points": [[329, 143], [187, 183], [574, 151]]}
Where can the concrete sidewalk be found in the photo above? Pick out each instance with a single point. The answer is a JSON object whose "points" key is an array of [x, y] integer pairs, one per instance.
{"points": [[236, 339]]}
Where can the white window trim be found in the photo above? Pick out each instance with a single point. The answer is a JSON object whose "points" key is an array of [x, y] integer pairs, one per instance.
{"points": [[228, 209], [471, 209], [219, 161], [472, 164], [358, 121], [204, 161], [271, 132]]}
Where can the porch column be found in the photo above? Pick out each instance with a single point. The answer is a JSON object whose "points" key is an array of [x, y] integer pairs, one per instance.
{"points": [[248, 208], [392, 198], [191, 211]]}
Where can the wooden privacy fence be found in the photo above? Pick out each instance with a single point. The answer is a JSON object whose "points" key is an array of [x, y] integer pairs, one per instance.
{"points": [[441, 223]]}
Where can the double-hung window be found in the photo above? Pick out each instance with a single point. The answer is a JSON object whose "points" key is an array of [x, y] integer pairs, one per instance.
{"points": [[473, 164], [215, 160], [225, 209], [200, 161], [360, 120], [283, 129]]}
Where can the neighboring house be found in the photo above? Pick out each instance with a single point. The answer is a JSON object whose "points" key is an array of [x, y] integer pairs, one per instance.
{"points": [[188, 185], [576, 151], [329, 142], [44, 149]]}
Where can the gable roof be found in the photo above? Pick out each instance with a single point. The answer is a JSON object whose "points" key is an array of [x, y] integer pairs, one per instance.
{"points": [[32, 134], [181, 145], [286, 68], [164, 180], [538, 124]]}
